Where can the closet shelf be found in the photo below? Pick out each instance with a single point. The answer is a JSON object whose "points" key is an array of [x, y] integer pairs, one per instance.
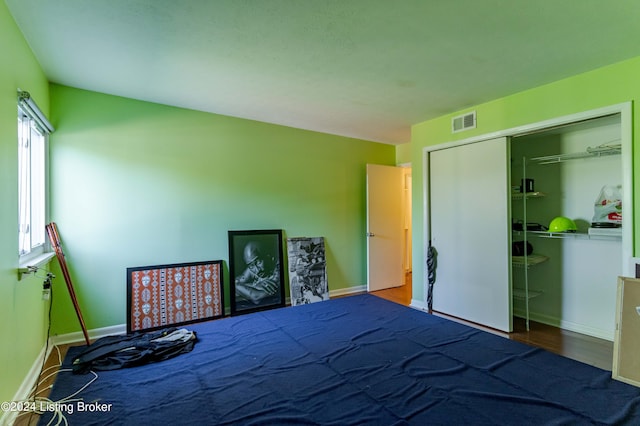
{"points": [[574, 235], [520, 195], [598, 151], [531, 260], [522, 294]]}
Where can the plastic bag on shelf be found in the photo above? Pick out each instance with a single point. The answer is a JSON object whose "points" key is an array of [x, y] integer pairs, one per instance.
{"points": [[608, 207]]}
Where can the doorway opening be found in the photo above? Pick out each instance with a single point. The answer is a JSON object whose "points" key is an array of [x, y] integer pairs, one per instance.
{"points": [[389, 241]]}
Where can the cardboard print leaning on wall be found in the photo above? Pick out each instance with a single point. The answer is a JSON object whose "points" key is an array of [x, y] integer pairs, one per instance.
{"points": [[307, 270]]}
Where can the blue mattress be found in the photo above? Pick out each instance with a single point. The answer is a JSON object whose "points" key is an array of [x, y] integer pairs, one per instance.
{"points": [[353, 360]]}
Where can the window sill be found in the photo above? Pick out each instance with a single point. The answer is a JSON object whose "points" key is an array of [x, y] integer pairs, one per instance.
{"points": [[34, 263]]}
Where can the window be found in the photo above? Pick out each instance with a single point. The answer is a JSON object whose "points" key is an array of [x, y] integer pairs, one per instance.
{"points": [[33, 130]]}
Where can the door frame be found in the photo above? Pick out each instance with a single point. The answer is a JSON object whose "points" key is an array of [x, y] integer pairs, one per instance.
{"points": [[626, 136], [400, 173]]}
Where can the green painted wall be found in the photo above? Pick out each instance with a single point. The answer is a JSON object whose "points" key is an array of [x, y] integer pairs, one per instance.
{"points": [[22, 311], [136, 183], [403, 153], [606, 86]]}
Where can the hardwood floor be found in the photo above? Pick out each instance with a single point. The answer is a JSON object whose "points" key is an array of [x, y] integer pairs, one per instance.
{"points": [[47, 378], [583, 348]]}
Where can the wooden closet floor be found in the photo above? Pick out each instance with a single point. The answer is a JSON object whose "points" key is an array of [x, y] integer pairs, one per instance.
{"points": [[583, 348]]}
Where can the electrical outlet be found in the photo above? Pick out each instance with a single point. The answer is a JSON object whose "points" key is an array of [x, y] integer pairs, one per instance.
{"points": [[46, 287]]}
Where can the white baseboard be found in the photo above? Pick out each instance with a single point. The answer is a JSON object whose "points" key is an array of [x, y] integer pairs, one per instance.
{"points": [[419, 304], [28, 384], [567, 325], [96, 333], [347, 291]]}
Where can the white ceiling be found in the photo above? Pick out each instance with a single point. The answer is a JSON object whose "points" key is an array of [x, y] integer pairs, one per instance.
{"points": [[361, 68]]}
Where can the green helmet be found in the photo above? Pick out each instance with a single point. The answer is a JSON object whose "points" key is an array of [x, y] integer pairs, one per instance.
{"points": [[562, 224]]}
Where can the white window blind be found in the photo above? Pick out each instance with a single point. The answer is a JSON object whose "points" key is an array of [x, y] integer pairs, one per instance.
{"points": [[33, 129]]}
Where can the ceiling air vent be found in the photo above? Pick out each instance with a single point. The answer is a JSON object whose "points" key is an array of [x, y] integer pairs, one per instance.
{"points": [[463, 122]]}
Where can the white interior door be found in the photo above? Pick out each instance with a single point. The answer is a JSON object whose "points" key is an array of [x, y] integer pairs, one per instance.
{"points": [[385, 226], [470, 230]]}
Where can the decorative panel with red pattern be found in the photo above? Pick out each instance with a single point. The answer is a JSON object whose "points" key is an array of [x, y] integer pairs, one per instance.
{"points": [[169, 295]]}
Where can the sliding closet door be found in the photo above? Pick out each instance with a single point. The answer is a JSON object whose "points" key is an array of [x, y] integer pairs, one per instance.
{"points": [[470, 230]]}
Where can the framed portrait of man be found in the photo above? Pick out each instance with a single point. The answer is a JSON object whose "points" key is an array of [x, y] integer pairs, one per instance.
{"points": [[256, 270]]}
